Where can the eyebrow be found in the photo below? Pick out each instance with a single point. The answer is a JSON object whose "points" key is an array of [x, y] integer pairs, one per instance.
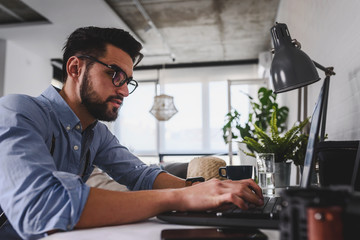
{"points": [[116, 67]]}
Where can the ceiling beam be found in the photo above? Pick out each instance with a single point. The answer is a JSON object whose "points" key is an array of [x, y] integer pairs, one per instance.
{"points": [[11, 13], [153, 26], [198, 64]]}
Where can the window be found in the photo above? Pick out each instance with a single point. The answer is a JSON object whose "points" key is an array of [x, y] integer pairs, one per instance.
{"points": [[239, 91], [135, 126], [196, 129], [183, 133], [217, 108]]}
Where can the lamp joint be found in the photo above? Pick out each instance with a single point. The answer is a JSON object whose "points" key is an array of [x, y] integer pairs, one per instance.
{"points": [[329, 71], [296, 43]]}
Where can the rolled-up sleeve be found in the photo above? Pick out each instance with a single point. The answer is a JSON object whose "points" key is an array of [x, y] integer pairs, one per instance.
{"points": [[76, 196], [144, 177], [55, 203], [35, 196], [120, 164]]}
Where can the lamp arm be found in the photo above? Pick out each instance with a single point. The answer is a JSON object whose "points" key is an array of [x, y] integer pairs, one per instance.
{"points": [[326, 87], [329, 71]]}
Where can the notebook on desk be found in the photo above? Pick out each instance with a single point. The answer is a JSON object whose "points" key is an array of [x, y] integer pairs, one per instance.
{"points": [[266, 216]]}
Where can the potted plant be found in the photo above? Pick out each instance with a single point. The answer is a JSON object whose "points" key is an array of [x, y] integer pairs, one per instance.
{"points": [[260, 115], [288, 146]]}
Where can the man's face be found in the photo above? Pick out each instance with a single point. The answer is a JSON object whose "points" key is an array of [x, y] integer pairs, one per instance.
{"points": [[93, 102], [98, 94]]}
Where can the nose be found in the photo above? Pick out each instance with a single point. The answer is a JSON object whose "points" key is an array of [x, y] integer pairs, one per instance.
{"points": [[122, 90]]}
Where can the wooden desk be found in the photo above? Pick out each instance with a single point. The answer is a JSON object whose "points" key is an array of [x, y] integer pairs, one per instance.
{"points": [[149, 230]]}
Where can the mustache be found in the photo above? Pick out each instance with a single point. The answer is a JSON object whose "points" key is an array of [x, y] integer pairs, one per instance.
{"points": [[115, 97]]}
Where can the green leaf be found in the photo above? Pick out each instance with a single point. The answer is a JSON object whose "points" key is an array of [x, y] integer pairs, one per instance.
{"points": [[265, 116]]}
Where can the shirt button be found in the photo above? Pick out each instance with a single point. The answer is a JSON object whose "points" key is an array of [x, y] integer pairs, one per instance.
{"points": [[77, 127], [68, 227], [76, 147], [68, 128]]}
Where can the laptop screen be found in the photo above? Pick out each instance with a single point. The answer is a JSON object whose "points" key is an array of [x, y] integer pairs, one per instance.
{"points": [[313, 140], [355, 183]]}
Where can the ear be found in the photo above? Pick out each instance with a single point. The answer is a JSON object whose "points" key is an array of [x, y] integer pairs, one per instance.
{"points": [[73, 68]]}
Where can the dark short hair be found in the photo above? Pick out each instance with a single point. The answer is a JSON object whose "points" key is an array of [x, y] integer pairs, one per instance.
{"points": [[93, 40]]}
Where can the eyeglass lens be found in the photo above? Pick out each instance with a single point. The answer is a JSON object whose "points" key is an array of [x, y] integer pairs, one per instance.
{"points": [[120, 78], [131, 86]]}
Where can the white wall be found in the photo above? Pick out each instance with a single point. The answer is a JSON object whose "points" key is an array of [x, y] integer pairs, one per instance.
{"points": [[2, 65], [328, 31], [25, 71]]}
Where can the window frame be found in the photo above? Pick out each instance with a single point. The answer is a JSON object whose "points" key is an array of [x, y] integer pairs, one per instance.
{"points": [[231, 82]]}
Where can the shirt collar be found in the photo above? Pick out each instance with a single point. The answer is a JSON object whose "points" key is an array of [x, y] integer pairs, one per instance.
{"points": [[65, 114]]}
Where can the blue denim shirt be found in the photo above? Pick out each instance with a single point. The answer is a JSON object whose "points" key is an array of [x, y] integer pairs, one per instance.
{"points": [[45, 159]]}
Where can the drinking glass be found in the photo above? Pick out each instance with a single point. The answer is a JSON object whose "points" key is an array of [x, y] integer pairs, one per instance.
{"points": [[265, 171]]}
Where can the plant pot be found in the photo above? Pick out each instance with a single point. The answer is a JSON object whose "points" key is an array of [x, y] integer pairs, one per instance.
{"points": [[282, 174]]}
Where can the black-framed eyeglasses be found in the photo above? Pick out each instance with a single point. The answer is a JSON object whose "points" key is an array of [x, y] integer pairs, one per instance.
{"points": [[119, 77]]}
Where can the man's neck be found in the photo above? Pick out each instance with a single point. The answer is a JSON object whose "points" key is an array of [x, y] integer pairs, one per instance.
{"points": [[86, 119]]}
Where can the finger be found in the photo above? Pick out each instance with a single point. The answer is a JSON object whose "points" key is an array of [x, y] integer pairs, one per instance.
{"points": [[251, 197], [234, 199], [241, 203], [249, 183], [254, 187], [244, 189]]}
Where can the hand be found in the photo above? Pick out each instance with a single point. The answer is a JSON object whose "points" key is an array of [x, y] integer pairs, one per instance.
{"points": [[214, 193]]}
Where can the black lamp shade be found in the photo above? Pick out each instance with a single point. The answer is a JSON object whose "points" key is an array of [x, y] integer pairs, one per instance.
{"points": [[291, 68]]}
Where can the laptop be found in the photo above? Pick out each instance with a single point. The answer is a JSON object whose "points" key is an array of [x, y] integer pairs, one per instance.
{"points": [[267, 216]]}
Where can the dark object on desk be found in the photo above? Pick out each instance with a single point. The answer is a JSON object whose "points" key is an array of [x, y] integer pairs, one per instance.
{"points": [[299, 207], [352, 208], [212, 234], [296, 203], [325, 223], [351, 219], [336, 162]]}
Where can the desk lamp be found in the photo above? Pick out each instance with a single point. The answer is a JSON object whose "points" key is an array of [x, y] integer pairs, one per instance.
{"points": [[291, 68]]}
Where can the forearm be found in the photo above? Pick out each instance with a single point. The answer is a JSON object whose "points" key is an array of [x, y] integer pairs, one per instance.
{"points": [[165, 180], [104, 208]]}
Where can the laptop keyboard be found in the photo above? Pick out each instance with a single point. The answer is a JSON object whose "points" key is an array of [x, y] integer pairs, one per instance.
{"points": [[270, 209], [266, 216]]}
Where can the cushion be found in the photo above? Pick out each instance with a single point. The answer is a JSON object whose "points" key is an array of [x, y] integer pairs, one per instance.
{"points": [[177, 168], [100, 179], [206, 167]]}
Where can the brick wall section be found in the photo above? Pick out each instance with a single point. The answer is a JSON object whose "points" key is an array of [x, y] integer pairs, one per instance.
{"points": [[2, 65], [329, 31]]}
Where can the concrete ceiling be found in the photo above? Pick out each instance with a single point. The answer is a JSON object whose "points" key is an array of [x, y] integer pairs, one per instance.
{"points": [[172, 31]]}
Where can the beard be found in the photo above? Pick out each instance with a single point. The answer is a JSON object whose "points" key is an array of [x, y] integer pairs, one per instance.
{"points": [[93, 103]]}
